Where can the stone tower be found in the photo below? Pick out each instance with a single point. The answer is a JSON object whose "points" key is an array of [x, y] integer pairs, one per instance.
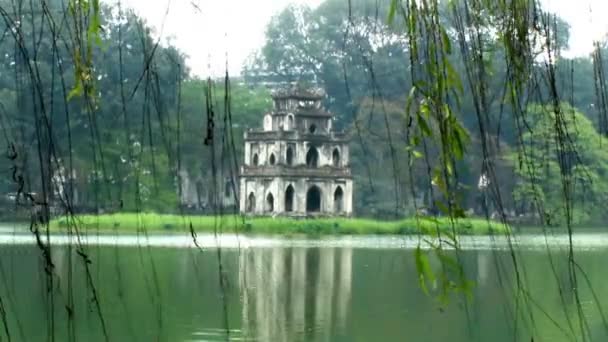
{"points": [[296, 165]]}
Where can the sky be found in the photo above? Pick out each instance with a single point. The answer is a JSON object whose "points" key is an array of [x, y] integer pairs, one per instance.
{"points": [[216, 34]]}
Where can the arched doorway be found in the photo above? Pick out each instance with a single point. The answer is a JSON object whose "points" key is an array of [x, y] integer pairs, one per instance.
{"points": [[272, 159], [256, 160], [338, 200], [269, 202], [289, 194], [335, 157], [289, 156], [251, 202], [312, 157], [313, 199]]}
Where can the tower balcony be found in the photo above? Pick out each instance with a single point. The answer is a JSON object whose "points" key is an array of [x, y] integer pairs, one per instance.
{"points": [[259, 135], [295, 171]]}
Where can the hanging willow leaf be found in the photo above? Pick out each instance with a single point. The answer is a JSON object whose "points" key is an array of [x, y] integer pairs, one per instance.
{"points": [[423, 268], [446, 41], [391, 11], [83, 60]]}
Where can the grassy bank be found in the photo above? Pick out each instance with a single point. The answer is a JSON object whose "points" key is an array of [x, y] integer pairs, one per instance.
{"points": [[130, 223]]}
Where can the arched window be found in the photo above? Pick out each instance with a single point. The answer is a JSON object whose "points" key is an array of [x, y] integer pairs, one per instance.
{"points": [[289, 194], [312, 157], [289, 156], [312, 128], [272, 159], [269, 202], [227, 189], [338, 200], [267, 122], [256, 160], [313, 199], [335, 157], [199, 193], [251, 202], [289, 124]]}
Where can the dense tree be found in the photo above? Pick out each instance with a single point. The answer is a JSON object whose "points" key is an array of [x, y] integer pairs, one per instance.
{"points": [[99, 145], [364, 62], [346, 47], [149, 122], [548, 165]]}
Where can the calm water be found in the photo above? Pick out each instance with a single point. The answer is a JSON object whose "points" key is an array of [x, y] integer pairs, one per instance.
{"points": [[337, 289]]}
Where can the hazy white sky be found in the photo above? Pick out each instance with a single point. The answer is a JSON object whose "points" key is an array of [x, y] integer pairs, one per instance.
{"points": [[209, 30]]}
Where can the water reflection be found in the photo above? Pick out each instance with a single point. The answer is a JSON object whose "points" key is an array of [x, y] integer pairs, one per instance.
{"points": [[295, 294], [483, 268], [292, 294]]}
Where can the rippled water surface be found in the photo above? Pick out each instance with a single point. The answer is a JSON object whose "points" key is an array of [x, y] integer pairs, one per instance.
{"points": [[164, 288]]}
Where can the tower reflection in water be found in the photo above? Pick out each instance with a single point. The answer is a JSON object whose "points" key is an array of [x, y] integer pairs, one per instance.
{"points": [[295, 294]]}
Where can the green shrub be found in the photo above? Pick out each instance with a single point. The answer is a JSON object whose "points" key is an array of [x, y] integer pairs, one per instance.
{"points": [[132, 222]]}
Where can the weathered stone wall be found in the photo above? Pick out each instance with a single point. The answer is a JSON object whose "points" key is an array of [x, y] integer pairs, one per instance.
{"points": [[261, 188], [264, 149], [201, 195], [322, 124], [300, 123]]}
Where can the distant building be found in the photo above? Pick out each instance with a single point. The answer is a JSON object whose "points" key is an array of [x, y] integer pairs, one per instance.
{"points": [[296, 165], [202, 194]]}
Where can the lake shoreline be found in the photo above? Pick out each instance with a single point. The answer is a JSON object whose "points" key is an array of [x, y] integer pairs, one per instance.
{"points": [[130, 223], [231, 241]]}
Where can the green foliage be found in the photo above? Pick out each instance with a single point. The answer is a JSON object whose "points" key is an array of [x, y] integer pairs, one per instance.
{"points": [[247, 107], [423, 267], [122, 111], [131, 222], [548, 163], [346, 46], [379, 169], [81, 13], [85, 107]]}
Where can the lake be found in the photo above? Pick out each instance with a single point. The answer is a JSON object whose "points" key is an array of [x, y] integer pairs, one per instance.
{"points": [[165, 288]]}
